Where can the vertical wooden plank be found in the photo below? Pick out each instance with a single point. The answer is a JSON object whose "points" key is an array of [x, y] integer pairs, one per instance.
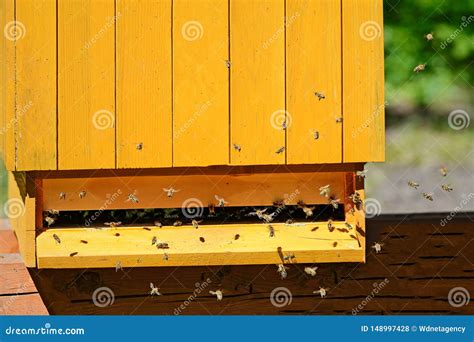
{"points": [[257, 47], [86, 89], [144, 118], [313, 64], [7, 86], [36, 85], [363, 81], [200, 83]]}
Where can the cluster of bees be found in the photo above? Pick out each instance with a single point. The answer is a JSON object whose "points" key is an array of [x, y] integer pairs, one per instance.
{"points": [[428, 195]]}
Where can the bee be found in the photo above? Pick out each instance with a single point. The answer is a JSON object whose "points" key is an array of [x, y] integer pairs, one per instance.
{"points": [[284, 126], [322, 292], [202, 239], [319, 95], [444, 171], [446, 187], [195, 223], [352, 210], [419, 68], [339, 119], [220, 201], [162, 245], [334, 202], [307, 210], [212, 209], [377, 247], [177, 223], [315, 228], [155, 291], [429, 36], [82, 194], [334, 244], [279, 203], [280, 150], [259, 213], [49, 220], [113, 224], [139, 146], [53, 211], [330, 226], [348, 225], [84, 242], [170, 191], [282, 270], [158, 224], [428, 196], [132, 198], [289, 221], [146, 228], [117, 234], [236, 237], [271, 230], [118, 266], [237, 147], [413, 184], [361, 174], [218, 293], [228, 63], [315, 135], [154, 240], [268, 217], [355, 198], [165, 256], [56, 238], [289, 257], [73, 254], [62, 195], [311, 270], [325, 191]]}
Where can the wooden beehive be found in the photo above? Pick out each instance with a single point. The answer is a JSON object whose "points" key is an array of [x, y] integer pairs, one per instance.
{"points": [[247, 99]]}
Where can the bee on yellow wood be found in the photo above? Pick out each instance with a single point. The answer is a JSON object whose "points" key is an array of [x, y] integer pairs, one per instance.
{"points": [[419, 68], [154, 240], [289, 221], [348, 225], [314, 229], [56, 238], [195, 223], [170, 191], [325, 190], [82, 194], [162, 245], [228, 63], [355, 198], [73, 254], [311, 270], [319, 95], [177, 223], [444, 171], [413, 184], [361, 174], [139, 146], [339, 119], [322, 291], [271, 230], [49, 220], [113, 224], [428, 196], [165, 257], [315, 135], [236, 237], [289, 257], [330, 226], [155, 291], [220, 201], [377, 246], [282, 270], [202, 239], [132, 198], [280, 150], [352, 210], [446, 187], [334, 202], [118, 266], [158, 224], [218, 293], [84, 242], [334, 244], [237, 147], [62, 195], [429, 36]]}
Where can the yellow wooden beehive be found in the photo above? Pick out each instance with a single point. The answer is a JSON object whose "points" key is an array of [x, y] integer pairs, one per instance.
{"points": [[250, 100]]}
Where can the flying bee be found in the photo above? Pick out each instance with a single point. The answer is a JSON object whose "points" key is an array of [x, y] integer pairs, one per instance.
{"points": [[428, 196], [268, 217], [113, 224], [259, 213], [158, 224], [325, 191], [162, 245], [361, 174], [330, 226], [319, 95], [118, 266], [237, 147], [348, 225], [377, 247], [280, 150], [82, 194], [212, 209], [218, 293], [220, 201], [170, 191], [56, 238], [132, 198], [139, 146], [289, 257], [334, 202], [413, 184], [195, 223], [444, 171], [271, 230], [322, 292], [282, 270], [62, 195], [177, 223], [53, 212], [307, 210], [311, 270], [49, 220], [155, 291], [446, 187], [429, 36], [154, 240], [419, 68]]}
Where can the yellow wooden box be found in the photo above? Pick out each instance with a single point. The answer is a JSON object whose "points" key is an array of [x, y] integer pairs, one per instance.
{"points": [[252, 99]]}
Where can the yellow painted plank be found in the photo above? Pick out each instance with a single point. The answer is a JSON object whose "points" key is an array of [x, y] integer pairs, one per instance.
{"points": [[313, 65], [200, 83], [132, 246], [257, 47], [36, 85], [7, 86], [363, 81], [86, 86], [144, 116]]}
